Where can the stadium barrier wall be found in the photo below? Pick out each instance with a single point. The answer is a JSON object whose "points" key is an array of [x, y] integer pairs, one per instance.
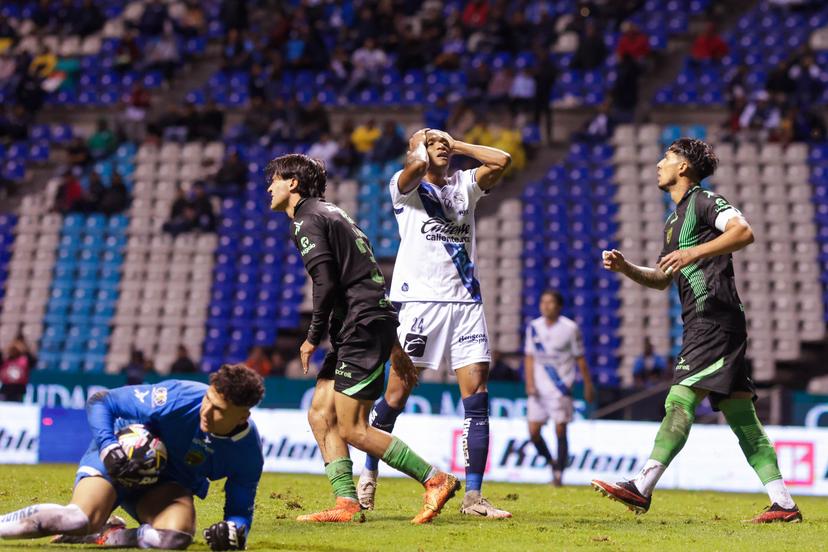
{"points": [[809, 410], [507, 399], [609, 450]]}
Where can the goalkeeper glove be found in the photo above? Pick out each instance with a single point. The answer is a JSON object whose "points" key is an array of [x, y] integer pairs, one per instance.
{"points": [[226, 535]]}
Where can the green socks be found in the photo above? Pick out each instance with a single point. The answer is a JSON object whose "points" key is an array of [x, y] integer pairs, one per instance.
{"points": [[403, 459], [759, 451], [340, 473], [672, 435]]}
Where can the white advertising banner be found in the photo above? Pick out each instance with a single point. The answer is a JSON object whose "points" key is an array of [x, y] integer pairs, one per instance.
{"points": [[19, 433], [607, 450]]}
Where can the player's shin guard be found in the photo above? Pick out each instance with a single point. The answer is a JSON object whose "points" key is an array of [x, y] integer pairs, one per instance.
{"points": [[759, 451], [340, 473], [476, 439], [403, 459], [383, 417], [42, 520], [680, 409]]}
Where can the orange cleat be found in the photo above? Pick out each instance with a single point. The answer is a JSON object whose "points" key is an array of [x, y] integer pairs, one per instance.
{"points": [[345, 510], [439, 490]]}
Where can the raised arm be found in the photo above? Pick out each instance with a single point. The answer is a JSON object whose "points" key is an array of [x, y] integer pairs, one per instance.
{"points": [[654, 278], [494, 162], [416, 162]]}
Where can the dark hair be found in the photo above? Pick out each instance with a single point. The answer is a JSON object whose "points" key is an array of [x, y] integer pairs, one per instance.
{"points": [[555, 295], [308, 171], [238, 384], [699, 154]]}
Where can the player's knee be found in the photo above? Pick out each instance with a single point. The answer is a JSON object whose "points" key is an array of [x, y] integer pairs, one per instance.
{"points": [[318, 418], [354, 434]]}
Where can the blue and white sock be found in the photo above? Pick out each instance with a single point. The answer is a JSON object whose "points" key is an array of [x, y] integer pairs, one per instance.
{"points": [[382, 417], [476, 439]]}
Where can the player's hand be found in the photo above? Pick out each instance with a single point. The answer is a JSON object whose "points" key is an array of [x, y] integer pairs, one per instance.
{"points": [[614, 261], [121, 468], [226, 535], [417, 138], [403, 367], [444, 135], [678, 259], [305, 351], [589, 392]]}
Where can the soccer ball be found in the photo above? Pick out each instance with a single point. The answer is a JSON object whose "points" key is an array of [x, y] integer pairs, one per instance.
{"points": [[140, 444]]}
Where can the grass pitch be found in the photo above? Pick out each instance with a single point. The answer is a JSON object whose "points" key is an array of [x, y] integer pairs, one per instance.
{"points": [[571, 518]]}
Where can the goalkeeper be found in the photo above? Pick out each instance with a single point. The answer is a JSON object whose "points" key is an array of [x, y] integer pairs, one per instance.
{"points": [[208, 435]]}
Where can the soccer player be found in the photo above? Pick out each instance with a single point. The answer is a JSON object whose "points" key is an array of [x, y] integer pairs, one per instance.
{"points": [[208, 435], [699, 237], [435, 282], [349, 297], [553, 346]]}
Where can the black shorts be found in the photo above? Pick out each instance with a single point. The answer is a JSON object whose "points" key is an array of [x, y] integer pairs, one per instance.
{"points": [[357, 366], [713, 359]]}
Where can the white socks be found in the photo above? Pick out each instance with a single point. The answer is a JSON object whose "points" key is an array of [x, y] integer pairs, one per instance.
{"points": [[778, 492], [648, 477], [42, 520]]}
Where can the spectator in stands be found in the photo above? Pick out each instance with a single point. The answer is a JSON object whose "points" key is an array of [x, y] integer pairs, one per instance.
{"points": [[162, 54], [347, 158], [128, 53], [29, 92], [436, 115], [192, 22], [779, 83], [633, 43], [135, 112], [453, 48], [255, 124], [648, 368], [340, 66], [8, 36], [89, 19], [259, 361], [801, 125], [153, 18], [231, 176], [237, 52], [600, 127], [364, 136], [761, 117], [625, 90], [369, 62], [282, 121], [136, 369], [233, 15], [44, 63], [708, 46], [14, 370], [500, 369], [522, 92], [325, 149], [314, 121], [15, 124], [209, 122], [391, 144], [278, 363], [8, 69], [115, 199], [191, 214], [480, 133], [807, 79], [499, 86], [546, 73], [65, 14], [475, 15], [591, 50], [736, 87], [183, 364], [508, 138], [43, 17], [102, 142]]}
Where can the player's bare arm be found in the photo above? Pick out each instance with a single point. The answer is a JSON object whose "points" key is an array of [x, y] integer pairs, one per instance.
{"points": [[416, 162], [529, 375], [495, 162], [737, 235], [589, 388], [654, 278]]}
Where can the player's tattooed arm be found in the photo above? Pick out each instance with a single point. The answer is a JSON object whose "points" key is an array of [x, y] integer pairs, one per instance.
{"points": [[654, 278], [416, 162]]}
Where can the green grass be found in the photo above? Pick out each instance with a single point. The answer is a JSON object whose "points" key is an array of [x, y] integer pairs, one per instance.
{"points": [[571, 518]]}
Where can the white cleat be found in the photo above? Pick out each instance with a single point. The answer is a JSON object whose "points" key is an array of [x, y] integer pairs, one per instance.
{"points": [[367, 488], [475, 505]]}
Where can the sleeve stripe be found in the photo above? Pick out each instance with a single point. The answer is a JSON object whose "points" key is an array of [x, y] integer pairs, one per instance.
{"points": [[724, 217]]}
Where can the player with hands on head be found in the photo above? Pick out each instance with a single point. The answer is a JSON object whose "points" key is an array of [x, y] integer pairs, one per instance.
{"points": [[208, 434], [436, 284], [699, 237]]}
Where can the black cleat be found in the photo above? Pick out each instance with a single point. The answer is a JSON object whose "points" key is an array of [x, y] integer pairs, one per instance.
{"points": [[624, 492]]}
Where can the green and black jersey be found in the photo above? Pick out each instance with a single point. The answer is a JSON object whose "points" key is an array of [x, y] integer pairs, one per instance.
{"points": [[707, 288]]}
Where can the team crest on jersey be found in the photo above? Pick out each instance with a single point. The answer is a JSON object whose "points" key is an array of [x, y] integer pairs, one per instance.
{"points": [[159, 396], [669, 235], [454, 201]]}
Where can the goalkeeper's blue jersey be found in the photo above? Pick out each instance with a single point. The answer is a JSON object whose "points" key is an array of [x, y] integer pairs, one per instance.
{"points": [[170, 409]]}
